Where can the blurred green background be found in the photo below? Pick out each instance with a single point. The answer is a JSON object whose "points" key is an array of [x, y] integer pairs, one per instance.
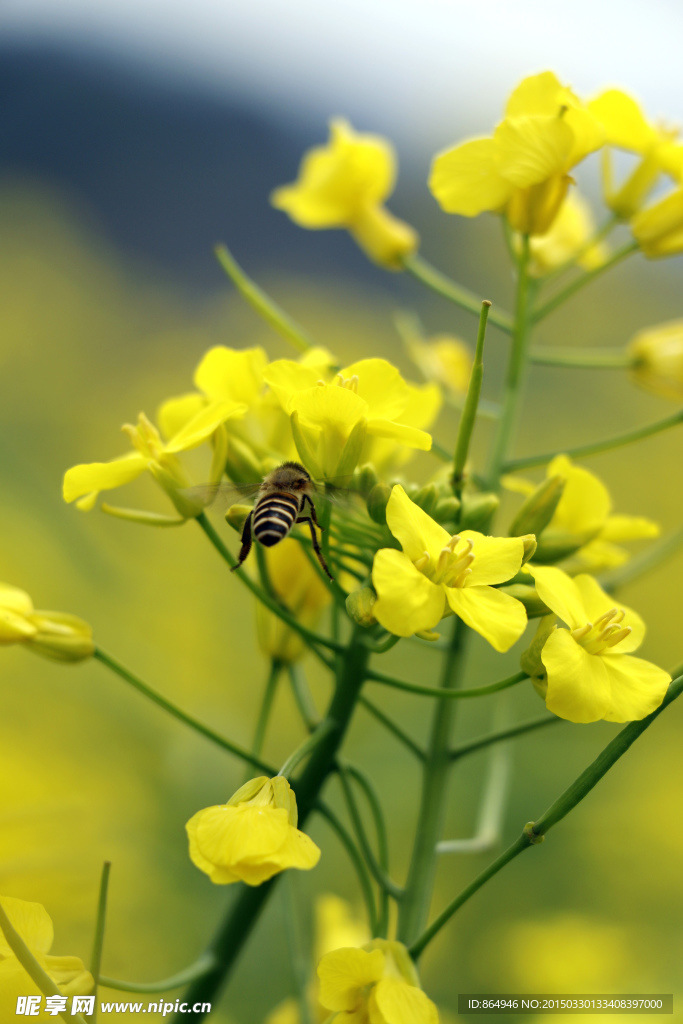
{"points": [[95, 330]]}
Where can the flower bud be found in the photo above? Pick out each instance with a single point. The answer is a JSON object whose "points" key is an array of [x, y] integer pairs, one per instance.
{"points": [[236, 516], [427, 498], [530, 661], [365, 478], [61, 637], [377, 503], [528, 597], [658, 359], [530, 545], [554, 544], [539, 508], [477, 509], [360, 604], [447, 509]]}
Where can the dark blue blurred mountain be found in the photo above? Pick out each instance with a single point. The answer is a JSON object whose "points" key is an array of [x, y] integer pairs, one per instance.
{"points": [[164, 168]]}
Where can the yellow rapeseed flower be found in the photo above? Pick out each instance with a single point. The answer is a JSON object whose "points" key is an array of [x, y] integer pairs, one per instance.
{"points": [[333, 423], [583, 527], [658, 229], [374, 985], [444, 359], [568, 239], [55, 635], [626, 127], [301, 590], [344, 185], [151, 453], [34, 925], [658, 359], [523, 169], [591, 673], [252, 837], [436, 575]]}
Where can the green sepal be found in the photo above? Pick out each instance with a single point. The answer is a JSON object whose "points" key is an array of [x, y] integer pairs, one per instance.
{"points": [[134, 515], [305, 454], [539, 508]]}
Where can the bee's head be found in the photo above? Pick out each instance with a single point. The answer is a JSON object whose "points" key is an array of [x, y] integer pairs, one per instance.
{"points": [[290, 476]]}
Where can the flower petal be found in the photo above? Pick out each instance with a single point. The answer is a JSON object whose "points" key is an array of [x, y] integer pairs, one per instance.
{"points": [[407, 601], [597, 602], [15, 600], [466, 179], [413, 528], [409, 436], [33, 923], [585, 503], [382, 387], [496, 559], [344, 973], [496, 616], [227, 836], [620, 528], [228, 373], [637, 687], [102, 476], [532, 149], [560, 593], [578, 684], [174, 413], [285, 377], [401, 1003], [203, 424], [623, 121]]}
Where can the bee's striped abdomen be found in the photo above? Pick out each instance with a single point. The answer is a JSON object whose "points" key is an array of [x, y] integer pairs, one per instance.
{"points": [[274, 517]]}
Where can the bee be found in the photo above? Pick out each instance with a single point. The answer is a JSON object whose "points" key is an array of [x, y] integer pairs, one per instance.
{"points": [[282, 500]]}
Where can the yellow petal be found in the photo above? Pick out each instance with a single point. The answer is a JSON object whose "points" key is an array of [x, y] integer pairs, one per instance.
{"points": [[401, 1003], [467, 180], [69, 973], [401, 434], [496, 559], [620, 528], [14, 628], [444, 359], [285, 377], [536, 94], [532, 149], [578, 684], [382, 387], [227, 836], [424, 405], [560, 593], [228, 373], [344, 973], [496, 616], [585, 503], [597, 602], [334, 412], [174, 413], [407, 601], [203, 424], [336, 925], [33, 923], [102, 476], [298, 851], [15, 600], [624, 123], [413, 528], [637, 687], [659, 228]]}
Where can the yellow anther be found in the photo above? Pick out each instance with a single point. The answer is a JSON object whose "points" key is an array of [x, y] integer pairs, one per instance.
{"points": [[605, 618], [453, 542], [350, 383], [422, 562], [620, 635], [582, 631], [460, 580]]}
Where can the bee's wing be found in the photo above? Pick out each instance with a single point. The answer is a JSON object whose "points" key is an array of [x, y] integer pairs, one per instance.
{"points": [[340, 497], [220, 496]]}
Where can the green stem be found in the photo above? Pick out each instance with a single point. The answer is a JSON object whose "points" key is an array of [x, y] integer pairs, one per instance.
{"points": [[182, 716], [305, 748], [262, 303], [356, 859], [534, 832], [303, 697], [490, 821], [277, 609], [640, 564], [516, 367], [298, 955], [244, 912], [581, 358], [266, 708], [98, 941], [383, 646], [414, 907], [436, 691], [196, 970], [590, 275], [31, 965], [583, 450], [442, 285], [389, 724], [502, 734], [469, 412], [379, 868]]}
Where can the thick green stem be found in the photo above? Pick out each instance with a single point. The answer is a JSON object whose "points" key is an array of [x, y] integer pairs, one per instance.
{"points": [[581, 358], [414, 907], [244, 912], [182, 716], [469, 412], [597, 447], [534, 832], [309, 744], [450, 695], [442, 285], [516, 367]]}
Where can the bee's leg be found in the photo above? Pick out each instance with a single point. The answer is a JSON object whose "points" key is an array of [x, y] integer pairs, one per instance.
{"points": [[316, 547], [246, 541], [307, 498]]}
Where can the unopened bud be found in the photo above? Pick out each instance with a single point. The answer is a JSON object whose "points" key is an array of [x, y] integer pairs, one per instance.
{"points": [[531, 662], [555, 544], [530, 545], [539, 508], [529, 598], [365, 478], [236, 516], [377, 503], [61, 637], [477, 509], [427, 498], [447, 509], [360, 604]]}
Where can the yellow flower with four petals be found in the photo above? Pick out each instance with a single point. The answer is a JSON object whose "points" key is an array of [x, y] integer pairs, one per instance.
{"points": [[437, 574]]}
